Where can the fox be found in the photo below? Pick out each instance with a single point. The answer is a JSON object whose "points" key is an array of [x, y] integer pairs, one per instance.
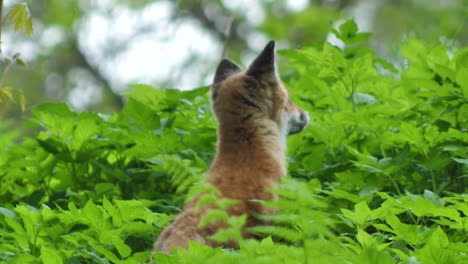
{"points": [[254, 115]]}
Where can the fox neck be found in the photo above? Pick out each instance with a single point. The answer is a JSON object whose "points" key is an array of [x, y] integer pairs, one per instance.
{"points": [[262, 144]]}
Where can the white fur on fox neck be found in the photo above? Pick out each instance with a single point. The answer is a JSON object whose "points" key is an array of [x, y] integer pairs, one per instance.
{"points": [[284, 128]]}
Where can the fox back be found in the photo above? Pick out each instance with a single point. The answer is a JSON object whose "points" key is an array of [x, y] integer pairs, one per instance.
{"points": [[255, 115]]}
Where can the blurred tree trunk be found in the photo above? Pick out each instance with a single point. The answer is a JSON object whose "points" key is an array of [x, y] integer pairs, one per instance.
{"points": [[83, 62]]}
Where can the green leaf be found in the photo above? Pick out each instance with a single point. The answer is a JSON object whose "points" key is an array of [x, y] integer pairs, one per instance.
{"points": [[234, 230], [92, 211], [6, 94], [386, 65], [23, 258], [51, 256], [205, 200], [100, 248], [286, 233], [21, 19], [7, 212], [433, 197], [365, 239], [412, 234], [461, 161], [267, 241], [360, 98], [362, 212], [121, 247], [372, 255], [437, 250], [56, 109], [360, 215], [28, 28], [348, 29], [213, 216], [20, 62]]}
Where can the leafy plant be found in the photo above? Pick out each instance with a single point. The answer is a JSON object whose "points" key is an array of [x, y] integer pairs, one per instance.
{"points": [[379, 175], [20, 16]]}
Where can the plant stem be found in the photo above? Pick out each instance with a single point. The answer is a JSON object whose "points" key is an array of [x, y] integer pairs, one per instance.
{"points": [[434, 182], [6, 69]]}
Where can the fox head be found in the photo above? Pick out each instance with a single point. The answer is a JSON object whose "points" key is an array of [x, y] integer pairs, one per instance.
{"points": [[247, 102]]}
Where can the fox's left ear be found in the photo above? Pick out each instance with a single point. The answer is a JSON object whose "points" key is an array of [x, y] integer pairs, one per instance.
{"points": [[225, 69], [264, 64]]}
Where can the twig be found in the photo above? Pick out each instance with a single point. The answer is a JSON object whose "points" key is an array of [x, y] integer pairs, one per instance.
{"points": [[5, 71], [227, 35]]}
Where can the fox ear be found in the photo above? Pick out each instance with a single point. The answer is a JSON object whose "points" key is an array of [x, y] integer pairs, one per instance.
{"points": [[264, 64], [225, 69]]}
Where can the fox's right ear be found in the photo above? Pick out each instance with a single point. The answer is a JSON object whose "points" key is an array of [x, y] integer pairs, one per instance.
{"points": [[225, 69], [264, 65]]}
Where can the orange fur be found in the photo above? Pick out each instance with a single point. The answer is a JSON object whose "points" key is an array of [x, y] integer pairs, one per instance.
{"points": [[254, 115]]}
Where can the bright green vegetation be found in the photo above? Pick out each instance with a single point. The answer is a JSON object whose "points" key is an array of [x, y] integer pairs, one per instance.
{"points": [[379, 176]]}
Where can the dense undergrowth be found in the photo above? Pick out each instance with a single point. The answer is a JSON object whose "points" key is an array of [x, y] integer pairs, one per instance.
{"points": [[379, 176]]}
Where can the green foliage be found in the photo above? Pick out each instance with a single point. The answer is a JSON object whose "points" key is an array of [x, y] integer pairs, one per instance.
{"points": [[111, 231], [79, 162], [9, 95], [216, 212], [21, 18], [379, 175]]}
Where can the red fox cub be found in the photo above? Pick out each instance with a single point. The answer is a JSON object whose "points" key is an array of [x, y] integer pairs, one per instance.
{"points": [[255, 115]]}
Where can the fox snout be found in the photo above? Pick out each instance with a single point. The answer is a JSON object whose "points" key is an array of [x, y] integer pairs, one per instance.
{"points": [[298, 120]]}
